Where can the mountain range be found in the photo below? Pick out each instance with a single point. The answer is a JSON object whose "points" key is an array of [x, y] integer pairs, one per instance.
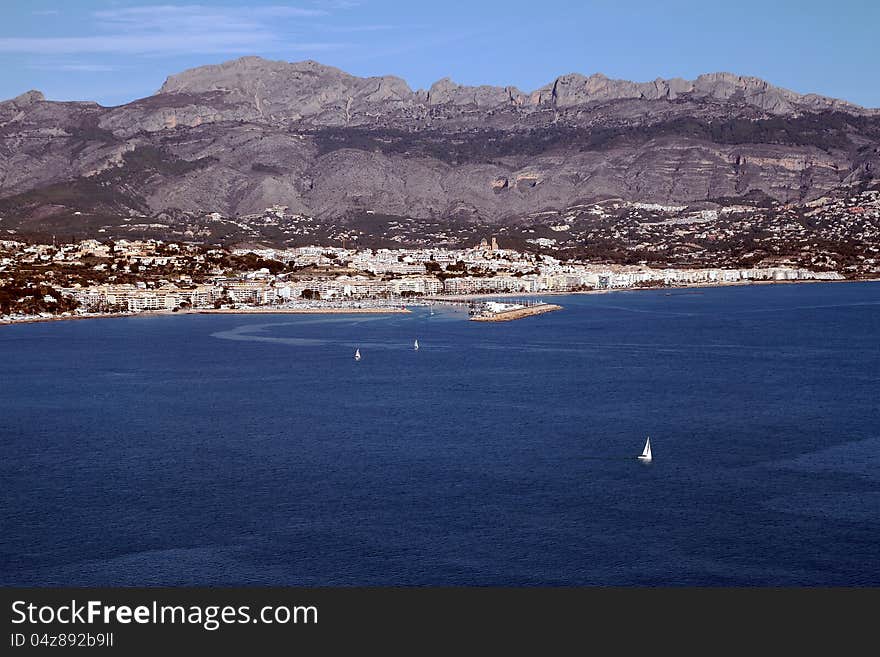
{"points": [[244, 135]]}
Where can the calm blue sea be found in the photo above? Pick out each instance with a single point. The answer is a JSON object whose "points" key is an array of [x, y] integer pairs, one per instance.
{"points": [[233, 450]]}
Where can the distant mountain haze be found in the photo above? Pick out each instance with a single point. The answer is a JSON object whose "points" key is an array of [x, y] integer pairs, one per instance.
{"points": [[238, 137]]}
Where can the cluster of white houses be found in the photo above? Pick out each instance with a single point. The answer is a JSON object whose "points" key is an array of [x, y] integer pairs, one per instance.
{"points": [[584, 278], [264, 289]]}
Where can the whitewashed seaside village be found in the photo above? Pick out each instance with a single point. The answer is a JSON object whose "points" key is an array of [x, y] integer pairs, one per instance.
{"points": [[829, 239], [152, 275]]}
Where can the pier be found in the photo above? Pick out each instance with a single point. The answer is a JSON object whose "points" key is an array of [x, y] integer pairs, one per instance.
{"points": [[493, 311]]}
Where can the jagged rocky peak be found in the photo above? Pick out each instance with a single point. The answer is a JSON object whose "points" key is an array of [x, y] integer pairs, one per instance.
{"points": [[576, 89], [330, 143], [308, 88], [442, 91], [24, 105], [751, 90], [446, 91], [302, 88], [29, 98], [244, 73]]}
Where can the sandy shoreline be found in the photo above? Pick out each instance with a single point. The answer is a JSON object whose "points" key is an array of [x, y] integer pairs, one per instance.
{"points": [[296, 311], [215, 311], [72, 318]]}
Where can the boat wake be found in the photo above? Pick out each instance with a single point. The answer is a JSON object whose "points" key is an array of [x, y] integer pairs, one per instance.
{"points": [[244, 334], [255, 333]]}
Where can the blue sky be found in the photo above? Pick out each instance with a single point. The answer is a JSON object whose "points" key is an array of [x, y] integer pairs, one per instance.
{"points": [[114, 51]]}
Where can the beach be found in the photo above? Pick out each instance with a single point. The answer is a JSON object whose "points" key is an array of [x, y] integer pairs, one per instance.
{"points": [[215, 311], [298, 311]]}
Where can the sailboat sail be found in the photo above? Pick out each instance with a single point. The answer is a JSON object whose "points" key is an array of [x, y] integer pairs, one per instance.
{"points": [[416, 345], [646, 453], [357, 354]]}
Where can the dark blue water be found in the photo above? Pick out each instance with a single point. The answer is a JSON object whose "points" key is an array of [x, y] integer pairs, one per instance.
{"points": [[254, 450]]}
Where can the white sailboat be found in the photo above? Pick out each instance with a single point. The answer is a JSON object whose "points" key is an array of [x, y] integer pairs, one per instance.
{"points": [[646, 453], [416, 345], [357, 354]]}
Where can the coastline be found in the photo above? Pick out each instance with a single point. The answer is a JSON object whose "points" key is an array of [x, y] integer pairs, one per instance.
{"points": [[73, 318], [214, 311], [670, 288], [297, 311], [454, 298]]}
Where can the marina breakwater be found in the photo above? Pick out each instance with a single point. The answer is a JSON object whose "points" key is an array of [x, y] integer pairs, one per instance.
{"points": [[506, 313]]}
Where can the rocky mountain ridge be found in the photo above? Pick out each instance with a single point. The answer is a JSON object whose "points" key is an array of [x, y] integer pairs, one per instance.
{"points": [[237, 137], [311, 89]]}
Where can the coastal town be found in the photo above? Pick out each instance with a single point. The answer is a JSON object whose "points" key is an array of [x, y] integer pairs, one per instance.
{"points": [[284, 261], [93, 278]]}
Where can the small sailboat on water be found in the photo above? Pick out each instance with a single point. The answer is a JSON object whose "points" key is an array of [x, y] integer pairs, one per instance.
{"points": [[357, 354], [416, 345], [645, 456]]}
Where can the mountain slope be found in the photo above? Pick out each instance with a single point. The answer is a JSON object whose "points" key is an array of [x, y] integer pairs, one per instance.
{"points": [[241, 136]]}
